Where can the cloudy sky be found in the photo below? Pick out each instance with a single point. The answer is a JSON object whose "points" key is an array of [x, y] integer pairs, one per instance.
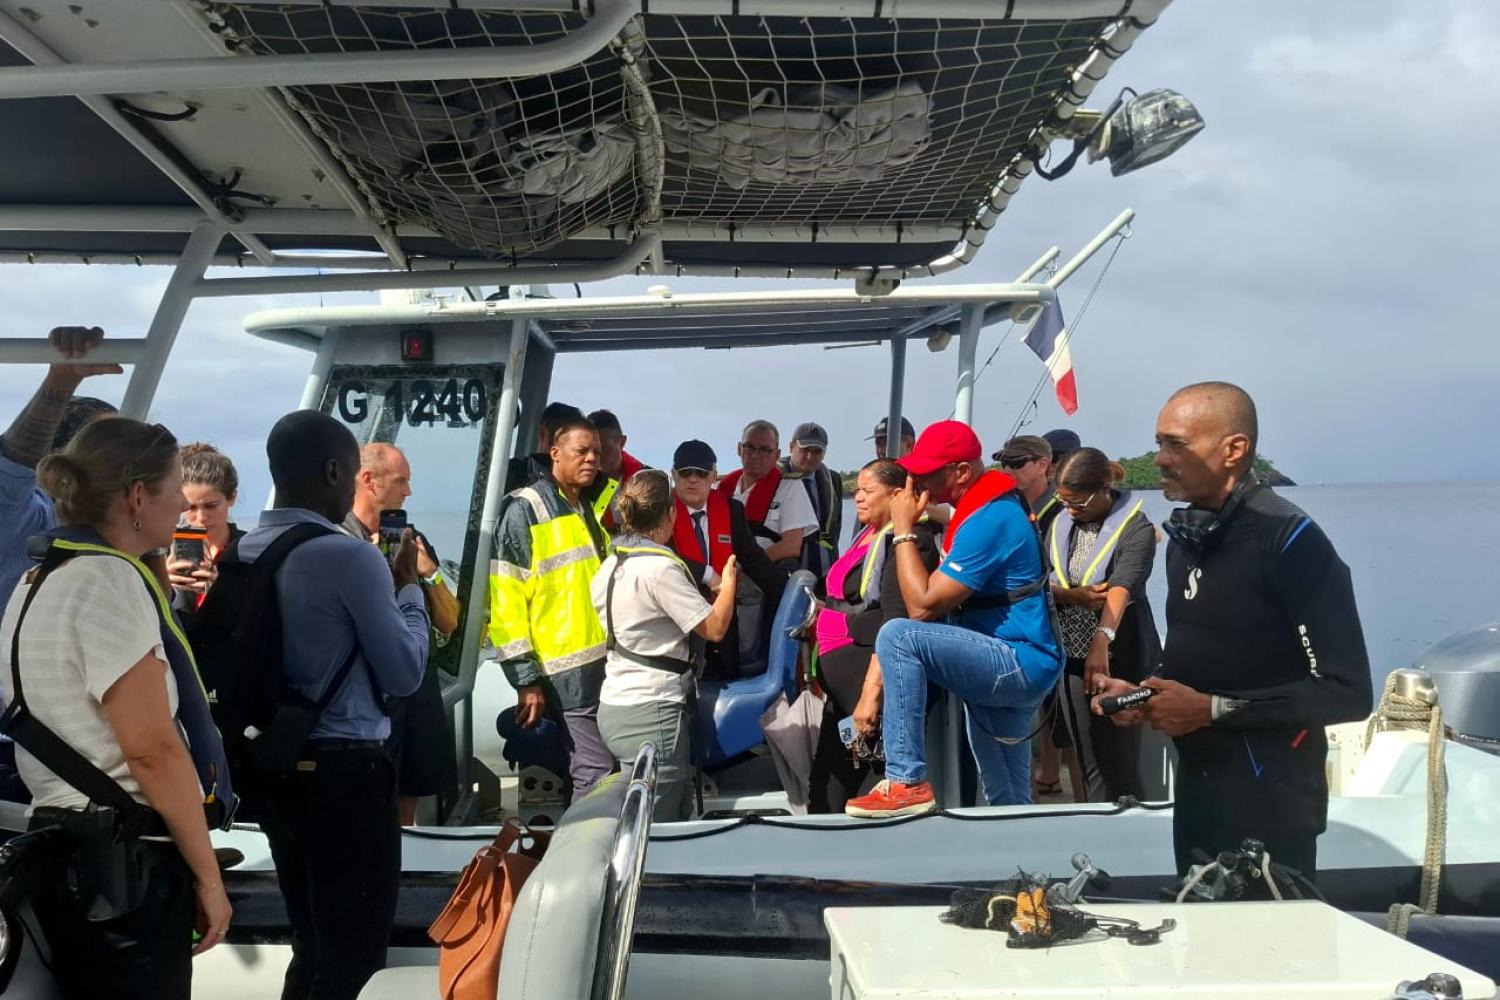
{"points": [[1327, 242]]}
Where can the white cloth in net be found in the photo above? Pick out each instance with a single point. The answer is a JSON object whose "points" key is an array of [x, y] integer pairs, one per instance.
{"points": [[820, 135]]}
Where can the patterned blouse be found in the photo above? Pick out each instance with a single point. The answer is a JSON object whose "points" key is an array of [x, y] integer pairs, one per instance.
{"points": [[1078, 623]]}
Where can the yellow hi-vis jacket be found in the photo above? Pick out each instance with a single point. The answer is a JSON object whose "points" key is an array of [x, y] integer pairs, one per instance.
{"points": [[605, 498], [542, 618]]}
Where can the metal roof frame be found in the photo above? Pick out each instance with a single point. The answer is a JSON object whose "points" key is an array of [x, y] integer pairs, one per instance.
{"points": [[649, 248]]}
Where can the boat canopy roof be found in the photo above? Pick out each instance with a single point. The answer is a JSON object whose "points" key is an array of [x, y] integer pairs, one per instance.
{"points": [[666, 320], [783, 138]]}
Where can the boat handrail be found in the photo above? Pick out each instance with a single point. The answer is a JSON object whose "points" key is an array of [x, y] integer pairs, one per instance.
{"points": [[623, 880]]}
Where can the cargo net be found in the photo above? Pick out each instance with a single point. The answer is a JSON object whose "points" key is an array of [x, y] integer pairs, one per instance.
{"points": [[744, 123]]}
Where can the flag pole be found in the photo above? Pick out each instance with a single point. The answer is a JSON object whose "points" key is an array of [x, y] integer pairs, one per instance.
{"points": [[1092, 247]]}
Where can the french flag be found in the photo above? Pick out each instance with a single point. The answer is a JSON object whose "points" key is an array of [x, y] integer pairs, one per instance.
{"points": [[1048, 338]]}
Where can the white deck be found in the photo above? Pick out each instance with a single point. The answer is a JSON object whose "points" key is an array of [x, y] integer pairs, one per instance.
{"points": [[1300, 949]]}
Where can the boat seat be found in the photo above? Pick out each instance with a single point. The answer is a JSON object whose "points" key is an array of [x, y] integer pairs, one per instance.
{"points": [[570, 933], [727, 722]]}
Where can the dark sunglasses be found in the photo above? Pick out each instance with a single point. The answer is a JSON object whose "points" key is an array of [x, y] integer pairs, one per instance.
{"points": [[1012, 464]]}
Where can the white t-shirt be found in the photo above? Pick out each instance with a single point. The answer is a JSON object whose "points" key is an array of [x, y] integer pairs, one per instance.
{"points": [[91, 623], [791, 508], [656, 608]]}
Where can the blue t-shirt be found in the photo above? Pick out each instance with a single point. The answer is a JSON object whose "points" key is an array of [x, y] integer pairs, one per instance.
{"points": [[996, 551], [24, 511]]}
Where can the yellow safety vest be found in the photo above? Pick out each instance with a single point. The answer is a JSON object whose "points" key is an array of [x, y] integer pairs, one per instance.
{"points": [[1109, 534], [605, 497], [540, 603]]}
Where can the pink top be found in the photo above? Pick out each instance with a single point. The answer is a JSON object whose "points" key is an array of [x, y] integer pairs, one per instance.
{"points": [[833, 626]]}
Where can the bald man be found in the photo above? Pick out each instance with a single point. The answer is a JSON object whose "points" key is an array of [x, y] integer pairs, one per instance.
{"points": [[1264, 646], [419, 728]]}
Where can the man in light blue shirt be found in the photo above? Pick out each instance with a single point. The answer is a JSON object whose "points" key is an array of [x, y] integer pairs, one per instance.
{"points": [[332, 824], [46, 424]]}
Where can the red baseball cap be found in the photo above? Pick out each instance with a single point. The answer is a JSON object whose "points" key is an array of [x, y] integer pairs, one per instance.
{"points": [[940, 444]]}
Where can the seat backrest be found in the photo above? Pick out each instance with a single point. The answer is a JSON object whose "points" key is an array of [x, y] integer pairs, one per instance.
{"points": [[728, 719], [576, 913], [781, 654]]}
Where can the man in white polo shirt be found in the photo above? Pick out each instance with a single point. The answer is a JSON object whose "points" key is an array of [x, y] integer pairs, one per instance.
{"points": [[779, 514], [777, 507]]}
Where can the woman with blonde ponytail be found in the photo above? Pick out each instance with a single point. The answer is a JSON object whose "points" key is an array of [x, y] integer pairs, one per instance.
{"points": [[100, 665], [651, 609]]}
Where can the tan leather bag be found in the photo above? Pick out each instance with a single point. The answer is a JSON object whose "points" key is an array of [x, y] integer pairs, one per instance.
{"points": [[470, 932]]}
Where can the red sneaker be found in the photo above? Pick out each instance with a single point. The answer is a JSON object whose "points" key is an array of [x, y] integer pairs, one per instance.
{"points": [[891, 798]]}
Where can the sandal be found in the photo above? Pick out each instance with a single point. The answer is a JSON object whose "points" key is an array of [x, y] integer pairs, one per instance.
{"points": [[1048, 787]]}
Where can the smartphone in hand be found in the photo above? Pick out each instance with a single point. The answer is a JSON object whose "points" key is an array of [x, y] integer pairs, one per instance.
{"points": [[189, 544], [392, 524]]}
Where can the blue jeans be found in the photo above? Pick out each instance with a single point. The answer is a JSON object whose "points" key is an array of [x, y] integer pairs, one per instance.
{"points": [[1000, 701]]}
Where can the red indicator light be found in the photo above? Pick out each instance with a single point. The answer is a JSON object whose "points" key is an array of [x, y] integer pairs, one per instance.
{"points": [[416, 345]]}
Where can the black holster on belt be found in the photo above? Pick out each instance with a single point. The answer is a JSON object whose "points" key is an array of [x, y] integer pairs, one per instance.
{"points": [[107, 866]]}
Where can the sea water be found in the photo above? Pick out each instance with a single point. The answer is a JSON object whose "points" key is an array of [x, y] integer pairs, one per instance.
{"points": [[1425, 557]]}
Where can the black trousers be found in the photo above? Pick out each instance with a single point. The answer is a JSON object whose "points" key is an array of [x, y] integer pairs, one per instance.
{"points": [[836, 778], [144, 955], [335, 837], [1109, 755]]}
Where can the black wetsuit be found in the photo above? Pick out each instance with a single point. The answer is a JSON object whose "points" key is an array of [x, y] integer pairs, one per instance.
{"points": [[1265, 614]]}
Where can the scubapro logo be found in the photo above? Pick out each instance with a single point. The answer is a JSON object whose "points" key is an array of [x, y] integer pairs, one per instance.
{"points": [[1312, 658], [1192, 587]]}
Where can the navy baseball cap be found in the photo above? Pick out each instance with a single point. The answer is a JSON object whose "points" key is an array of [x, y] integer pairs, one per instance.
{"points": [[1062, 441], [907, 430], [694, 454]]}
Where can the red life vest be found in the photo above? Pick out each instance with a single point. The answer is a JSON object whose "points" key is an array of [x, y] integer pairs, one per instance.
{"points": [[758, 503], [629, 466], [720, 539], [991, 486]]}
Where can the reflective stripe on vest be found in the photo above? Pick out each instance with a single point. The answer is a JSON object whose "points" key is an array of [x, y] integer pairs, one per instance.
{"points": [[548, 611], [1109, 535], [602, 501], [871, 572], [193, 715], [163, 606]]}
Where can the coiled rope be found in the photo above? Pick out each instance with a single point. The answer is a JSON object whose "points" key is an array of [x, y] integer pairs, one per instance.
{"points": [[1397, 712]]}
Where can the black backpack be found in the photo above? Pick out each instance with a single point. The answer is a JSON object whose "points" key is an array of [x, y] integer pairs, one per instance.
{"points": [[237, 639]]}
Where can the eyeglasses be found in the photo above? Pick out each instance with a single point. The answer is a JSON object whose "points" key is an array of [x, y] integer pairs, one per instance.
{"points": [[1071, 505], [750, 449], [1012, 464], [816, 449], [693, 473]]}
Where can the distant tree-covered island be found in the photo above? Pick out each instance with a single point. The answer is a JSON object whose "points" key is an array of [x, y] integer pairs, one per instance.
{"points": [[1141, 472]]}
